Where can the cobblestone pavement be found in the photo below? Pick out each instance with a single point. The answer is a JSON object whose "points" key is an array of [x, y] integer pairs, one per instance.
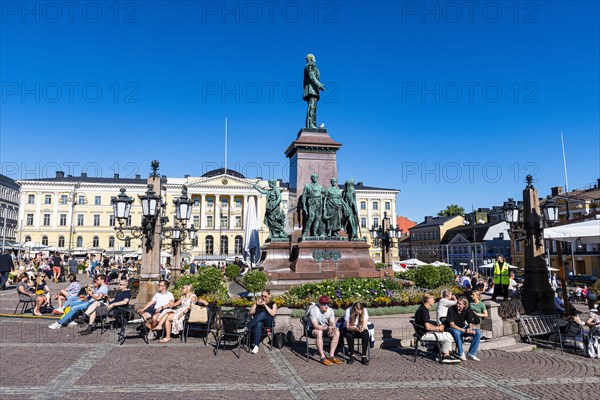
{"points": [[38, 363]]}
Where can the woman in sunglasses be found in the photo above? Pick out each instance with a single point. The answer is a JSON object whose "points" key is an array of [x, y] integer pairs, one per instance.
{"points": [[263, 311]]}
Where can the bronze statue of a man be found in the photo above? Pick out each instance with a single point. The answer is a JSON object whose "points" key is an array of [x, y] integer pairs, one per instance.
{"points": [[350, 222], [312, 90], [334, 208], [312, 203], [274, 217]]}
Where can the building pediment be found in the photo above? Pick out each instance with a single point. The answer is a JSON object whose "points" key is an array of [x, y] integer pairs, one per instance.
{"points": [[459, 238], [222, 181]]}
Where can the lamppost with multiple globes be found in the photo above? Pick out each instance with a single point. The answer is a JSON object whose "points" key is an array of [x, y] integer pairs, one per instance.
{"points": [[383, 236], [526, 225]]}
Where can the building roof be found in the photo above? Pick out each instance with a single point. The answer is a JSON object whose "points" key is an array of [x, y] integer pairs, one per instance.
{"points": [[8, 182], [467, 232], [84, 178], [221, 171], [434, 221]]}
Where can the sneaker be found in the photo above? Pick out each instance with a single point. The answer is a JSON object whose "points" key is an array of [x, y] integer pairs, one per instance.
{"points": [[350, 359], [484, 339], [472, 357], [462, 357], [336, 360], [73, 323], [326, 361], [447, 359], [364, 361], [55, 325], [254, 350], [467, 339]]}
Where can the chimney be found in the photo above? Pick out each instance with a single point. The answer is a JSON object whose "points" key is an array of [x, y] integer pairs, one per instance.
{"points": [[598, 183], [186, 176], [60, 174], [116, 176], [359, 184], [138, 176], [428, 218], [84, 174], [556, 190]]}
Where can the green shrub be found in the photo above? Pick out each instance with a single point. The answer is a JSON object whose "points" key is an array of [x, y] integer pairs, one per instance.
{"points": [[255, 281], [206, 281], [428, 276], [232, 271], [381, 265]]}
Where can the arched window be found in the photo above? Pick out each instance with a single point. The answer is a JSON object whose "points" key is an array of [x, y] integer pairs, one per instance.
{"points": [[224, 245], [127, 241], [79, 241], [27, 238], [96, 241], [239, 245], [61, 241], [44, 240], [209, 245], [111, 241]]}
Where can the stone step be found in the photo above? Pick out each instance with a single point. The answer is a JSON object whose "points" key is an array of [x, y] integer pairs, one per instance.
{"points": [[518, 348], [495, 343]]}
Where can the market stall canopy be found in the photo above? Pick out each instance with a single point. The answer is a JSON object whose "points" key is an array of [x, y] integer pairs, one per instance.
{"points": [[586, 231], [413, 262], [440, 264]]}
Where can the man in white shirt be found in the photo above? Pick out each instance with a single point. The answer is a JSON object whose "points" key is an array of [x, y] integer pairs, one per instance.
{"points": [[322, 322], [162, 300], [448, 300]]}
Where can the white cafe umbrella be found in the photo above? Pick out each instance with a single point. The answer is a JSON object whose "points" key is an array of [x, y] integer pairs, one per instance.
{"points": [[413, 262], [251, 238], [440, 264], [586, 231]]}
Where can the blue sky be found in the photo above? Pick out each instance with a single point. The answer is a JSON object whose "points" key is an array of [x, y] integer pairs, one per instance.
{"points": [[446, 102]]}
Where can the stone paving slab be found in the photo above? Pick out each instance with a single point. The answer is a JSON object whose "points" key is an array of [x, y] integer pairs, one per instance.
{"points": [[415, 394], [33, 366], [586, 391], [162, 394]]}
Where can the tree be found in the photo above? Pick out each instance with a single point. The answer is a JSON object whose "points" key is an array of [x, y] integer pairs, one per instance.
{"points": [[451, 211]]}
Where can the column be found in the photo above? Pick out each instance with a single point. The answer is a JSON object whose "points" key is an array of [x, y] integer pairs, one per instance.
{"points": [[230, 216]]}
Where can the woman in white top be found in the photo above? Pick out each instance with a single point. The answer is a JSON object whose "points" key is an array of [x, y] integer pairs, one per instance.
{"points": [[172, 319], [357, 318]]}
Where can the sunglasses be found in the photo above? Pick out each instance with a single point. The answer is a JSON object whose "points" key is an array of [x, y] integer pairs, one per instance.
{"points": [[325, 304]]}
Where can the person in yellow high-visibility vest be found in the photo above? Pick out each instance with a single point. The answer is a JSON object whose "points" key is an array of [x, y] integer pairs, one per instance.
{"points": [[501, 278]]}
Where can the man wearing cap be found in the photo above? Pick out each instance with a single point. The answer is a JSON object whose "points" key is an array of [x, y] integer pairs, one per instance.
{"points": [[322, 322]]}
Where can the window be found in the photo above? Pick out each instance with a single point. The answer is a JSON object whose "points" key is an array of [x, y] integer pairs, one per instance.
{"points": [[64, 199], [44, 240], [79, 241], [196, 221], [363, 222], [62, 219], [210, 202], [128, 221], [238, 245], [31, 199], [209, 245], [224, 201], [27, 238], [61, 241], [48, 199], [224, 221], [238, 221], [388, 205], [81, 200], [238, 203], [96, 241], [375, 205], [80, 220], [111, 220], [376, 221], [363, 205], [111, 241], [196, 201], [29, 219], [46, 221], [96, 220], [195, 242], [97, 200], [224, 245], [209, 221], [127, 241]]}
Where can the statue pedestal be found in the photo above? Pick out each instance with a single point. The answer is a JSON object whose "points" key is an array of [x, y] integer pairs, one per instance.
{"points": [[315, 260]]}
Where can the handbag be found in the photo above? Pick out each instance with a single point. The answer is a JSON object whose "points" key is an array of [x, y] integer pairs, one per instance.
{"points": [[198, 314]]}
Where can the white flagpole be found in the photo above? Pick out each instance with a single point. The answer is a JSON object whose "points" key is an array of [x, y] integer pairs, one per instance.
{"points": [[225, 144], [564, 163]]}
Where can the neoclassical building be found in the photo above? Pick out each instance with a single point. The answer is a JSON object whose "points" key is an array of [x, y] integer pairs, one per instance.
{"points": [[9, 209], [75, 214]]}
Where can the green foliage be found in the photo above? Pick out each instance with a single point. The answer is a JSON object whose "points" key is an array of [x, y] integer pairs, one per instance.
{"points": [[206, 281], [451, 210], [381, 265], [80, 267], [428, 276], [232, 271], [255, 281]]}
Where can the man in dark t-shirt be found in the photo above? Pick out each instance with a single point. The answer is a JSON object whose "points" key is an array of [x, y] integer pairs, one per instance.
{"points": [[461, 320], [429, 330], [100, 309]]}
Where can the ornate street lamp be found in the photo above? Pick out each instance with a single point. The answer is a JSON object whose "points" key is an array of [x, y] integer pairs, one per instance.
{"points": [[150, 203], [383, 237], [550, 210], [121, 205], [183, 206]]}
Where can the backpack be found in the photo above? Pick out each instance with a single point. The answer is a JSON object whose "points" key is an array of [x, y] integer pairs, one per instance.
{"points": [[306, 318]]}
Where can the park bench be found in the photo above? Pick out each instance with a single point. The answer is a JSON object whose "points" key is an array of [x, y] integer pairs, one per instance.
{"points": [[546, 329]]}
